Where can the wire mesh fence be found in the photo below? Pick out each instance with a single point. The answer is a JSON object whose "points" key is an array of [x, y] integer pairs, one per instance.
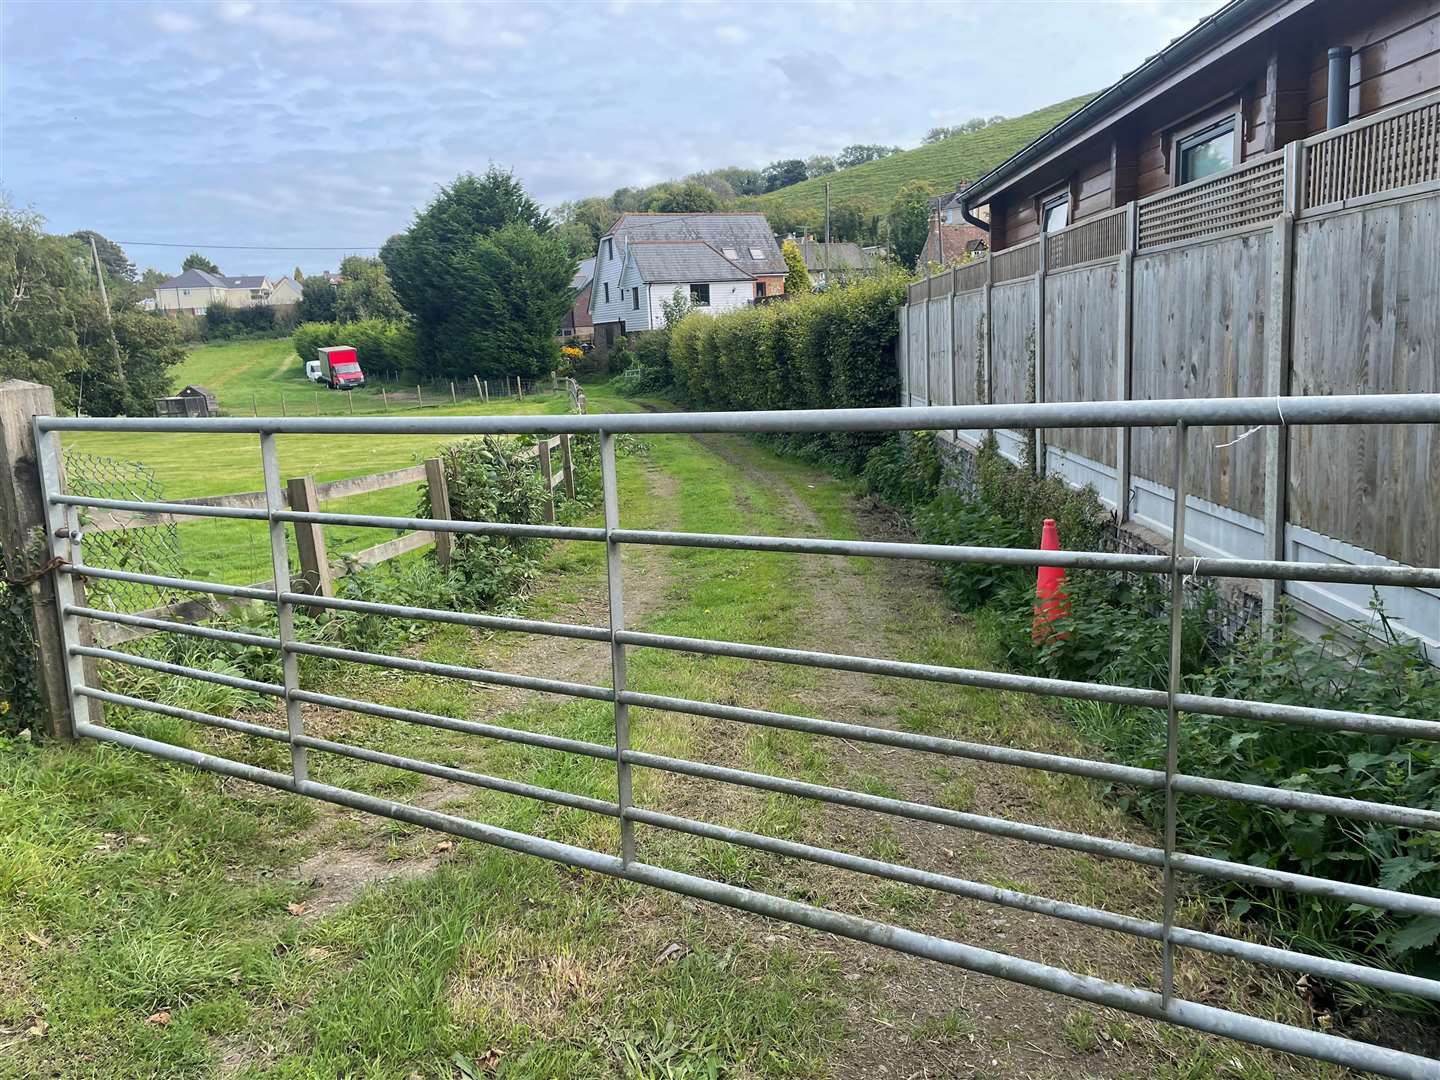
{"points": [[149, 549]]}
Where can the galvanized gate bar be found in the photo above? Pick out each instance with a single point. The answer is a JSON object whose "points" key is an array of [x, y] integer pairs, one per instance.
{"points": [[1179, 415], [1268, 569], [285, 613], [1172, 714], [615, 592], [1159, 412]]}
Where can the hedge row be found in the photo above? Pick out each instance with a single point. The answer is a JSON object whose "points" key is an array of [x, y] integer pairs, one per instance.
{"points": [[834, 349], [382, 345]]}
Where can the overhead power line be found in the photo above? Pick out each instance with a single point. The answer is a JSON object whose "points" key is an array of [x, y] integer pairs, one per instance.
{"points": [[247, 247]]}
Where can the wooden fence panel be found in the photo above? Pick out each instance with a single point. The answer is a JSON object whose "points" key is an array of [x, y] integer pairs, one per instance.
{"points": [[1367, 303], [1013, 344], [1200, 332], [915, 352], [1081, 323], [938, 355], [968, 371]]}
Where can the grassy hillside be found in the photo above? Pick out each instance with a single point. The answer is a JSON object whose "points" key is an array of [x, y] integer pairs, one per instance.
{"points": [[944, 164]]}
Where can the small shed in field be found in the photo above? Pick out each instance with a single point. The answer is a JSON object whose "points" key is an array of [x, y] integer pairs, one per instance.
{"points": [[192, 401]]}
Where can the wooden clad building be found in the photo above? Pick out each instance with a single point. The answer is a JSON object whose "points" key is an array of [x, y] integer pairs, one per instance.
{"points": [[1243, 83]]}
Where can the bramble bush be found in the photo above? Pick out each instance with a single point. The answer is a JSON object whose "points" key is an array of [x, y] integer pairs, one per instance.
{"points": [[1117, 632], [815, 351]]}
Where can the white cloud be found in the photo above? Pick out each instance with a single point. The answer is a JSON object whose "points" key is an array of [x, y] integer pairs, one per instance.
{"points": [[173, 22]]}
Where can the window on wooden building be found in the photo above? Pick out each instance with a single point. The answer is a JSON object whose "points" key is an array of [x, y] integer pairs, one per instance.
{"points": [[635, 299], [1207, 152], [700, 295], [1055, 212], [607, 291]]}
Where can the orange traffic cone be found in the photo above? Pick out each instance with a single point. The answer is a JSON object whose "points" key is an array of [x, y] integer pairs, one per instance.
{"points": [[1052, 602]]}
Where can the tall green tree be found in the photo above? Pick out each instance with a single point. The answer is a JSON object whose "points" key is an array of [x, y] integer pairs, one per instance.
{"points": [[116, 263], [686, 197], [365, 292], [779, 174], [317, 300], [910, 221], [485, 277], [196, 261], [53, 329], [797, 276]]}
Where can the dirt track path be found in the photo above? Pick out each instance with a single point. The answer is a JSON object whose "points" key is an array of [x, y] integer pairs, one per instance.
{"points": [[901, 1017], [913, 1018]]}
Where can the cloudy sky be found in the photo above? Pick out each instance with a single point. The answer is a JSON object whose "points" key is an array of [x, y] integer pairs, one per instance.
{"points": [[314, 124]]}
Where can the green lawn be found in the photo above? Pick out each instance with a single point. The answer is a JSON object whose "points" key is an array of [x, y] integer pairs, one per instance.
{"points": [[193, 465], [943, 164], [265, 376]]}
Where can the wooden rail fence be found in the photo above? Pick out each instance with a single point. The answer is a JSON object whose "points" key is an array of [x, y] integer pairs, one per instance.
{"points": [[317, 573]]}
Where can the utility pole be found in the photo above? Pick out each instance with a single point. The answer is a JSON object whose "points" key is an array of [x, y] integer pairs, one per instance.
{"points": [[827, 212], [105, 299]]}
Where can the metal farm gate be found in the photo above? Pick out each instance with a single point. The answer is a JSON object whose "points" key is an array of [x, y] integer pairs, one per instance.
{"points": [[1180, 416]]}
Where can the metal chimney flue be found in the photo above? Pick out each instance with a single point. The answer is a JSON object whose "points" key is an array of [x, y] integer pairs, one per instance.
{"points": [[1337, 94]]}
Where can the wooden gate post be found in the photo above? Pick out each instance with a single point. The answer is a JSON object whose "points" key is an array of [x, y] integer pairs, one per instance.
{"points": [[22, 522], [314, 579], [439, 508], [547, 475], [567, 466]]}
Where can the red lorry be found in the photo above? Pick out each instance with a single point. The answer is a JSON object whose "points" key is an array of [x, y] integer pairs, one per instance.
{"points": [[338, 368]]}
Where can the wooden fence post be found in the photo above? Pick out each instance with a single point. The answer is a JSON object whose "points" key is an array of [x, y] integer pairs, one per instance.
{"points": [[567, 466], [350, 400], [925, 352], [314, 579], [1125, 363], [439, 508], [254, 406], [582, 402], [419, 396], [486, 385], [453, 399], [384, 399], [284, 409], [989, 358], [480, 394], [547, 475], [1040, 445], [22, 521], [1277, 379]]}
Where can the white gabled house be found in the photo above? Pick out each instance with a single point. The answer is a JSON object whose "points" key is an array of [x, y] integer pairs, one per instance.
{"points": [[720, 261]]}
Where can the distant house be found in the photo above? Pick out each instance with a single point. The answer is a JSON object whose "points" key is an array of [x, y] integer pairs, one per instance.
{"points": [[719, 261], [827, 263], [951, 238], [195, 290], [286, 291], [576, 323]]}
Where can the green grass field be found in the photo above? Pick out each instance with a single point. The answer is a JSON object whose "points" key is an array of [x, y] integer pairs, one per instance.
{"points": [[264, 376], [193, 465], [944, 164]]}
